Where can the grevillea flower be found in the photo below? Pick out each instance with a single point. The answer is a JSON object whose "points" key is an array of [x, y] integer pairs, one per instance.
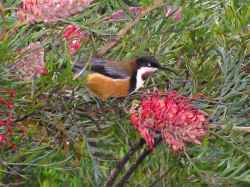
{"points": [[2, 138], [6, 117], [174, 13], [74, 36], [30, 64], [170, 115], [32, 11], [120, 14]]}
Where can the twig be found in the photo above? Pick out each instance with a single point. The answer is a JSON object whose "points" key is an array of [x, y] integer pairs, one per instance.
{"points": [[133, 167], [127, 28], [125, 178], [120, 165], [11, 184], [235, 128]]}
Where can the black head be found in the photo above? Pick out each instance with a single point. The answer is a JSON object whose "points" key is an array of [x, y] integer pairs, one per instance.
{"points": [[144, 67], [147, 61]]}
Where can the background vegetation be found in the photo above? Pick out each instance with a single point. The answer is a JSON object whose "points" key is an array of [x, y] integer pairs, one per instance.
{"points": [[75, 140]]}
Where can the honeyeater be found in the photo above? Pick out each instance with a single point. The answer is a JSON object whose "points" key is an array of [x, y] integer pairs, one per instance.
{"points": [[108, 78]]}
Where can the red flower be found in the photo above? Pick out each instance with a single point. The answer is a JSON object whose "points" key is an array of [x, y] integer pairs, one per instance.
{"points": [[7, 103], [74, 36], [12, 93], [170, 115], [69, 30], [2, 138], [6, 116]]}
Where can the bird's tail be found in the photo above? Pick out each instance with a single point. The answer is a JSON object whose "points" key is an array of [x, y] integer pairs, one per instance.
{"points": [[93, 64]]}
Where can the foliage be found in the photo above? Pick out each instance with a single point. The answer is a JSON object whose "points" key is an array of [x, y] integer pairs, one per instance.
{"points": [[73, 139]]}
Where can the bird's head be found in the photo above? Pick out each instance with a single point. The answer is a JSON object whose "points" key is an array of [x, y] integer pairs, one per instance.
{"points": [[146, 65], [143, 68]]}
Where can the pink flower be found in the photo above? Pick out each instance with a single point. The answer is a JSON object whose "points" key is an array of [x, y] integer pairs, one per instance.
{"points": [[41, 71], [74, 37], [30, 64], [32, 11], [178, 15], [2, 138], [169, 11], [170, 115], [117, 15], [135, 10], [120, 14]]}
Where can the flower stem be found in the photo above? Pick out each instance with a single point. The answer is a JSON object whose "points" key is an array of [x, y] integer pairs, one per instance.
{"points": [[127, 175], [133, 167]]}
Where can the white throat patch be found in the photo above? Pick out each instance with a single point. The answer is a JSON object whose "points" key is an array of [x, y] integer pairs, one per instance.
{"points": [[140, 72]]}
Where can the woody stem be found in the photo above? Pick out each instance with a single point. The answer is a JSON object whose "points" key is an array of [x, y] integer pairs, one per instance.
{"points": [[134, 166], [120, 165]]}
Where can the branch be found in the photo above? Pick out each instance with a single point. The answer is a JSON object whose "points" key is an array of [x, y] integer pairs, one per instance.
{"points": [[120, 165], [127, 28], [127, 175], [235, 128], [12, 184], [133, 167], [3, 20]]}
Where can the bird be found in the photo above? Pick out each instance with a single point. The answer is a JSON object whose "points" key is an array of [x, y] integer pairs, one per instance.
{"points": [[109, 78]]}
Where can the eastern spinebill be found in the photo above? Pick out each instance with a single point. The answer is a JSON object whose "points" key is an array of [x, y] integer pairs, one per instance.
{"points": [[118, 79]]}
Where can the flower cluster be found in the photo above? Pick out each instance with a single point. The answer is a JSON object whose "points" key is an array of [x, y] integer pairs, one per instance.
{"points": [[120, 14], [6, 116], [170, 11], [170, 115], [31, 63], [74, 36], [32, 11]]}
